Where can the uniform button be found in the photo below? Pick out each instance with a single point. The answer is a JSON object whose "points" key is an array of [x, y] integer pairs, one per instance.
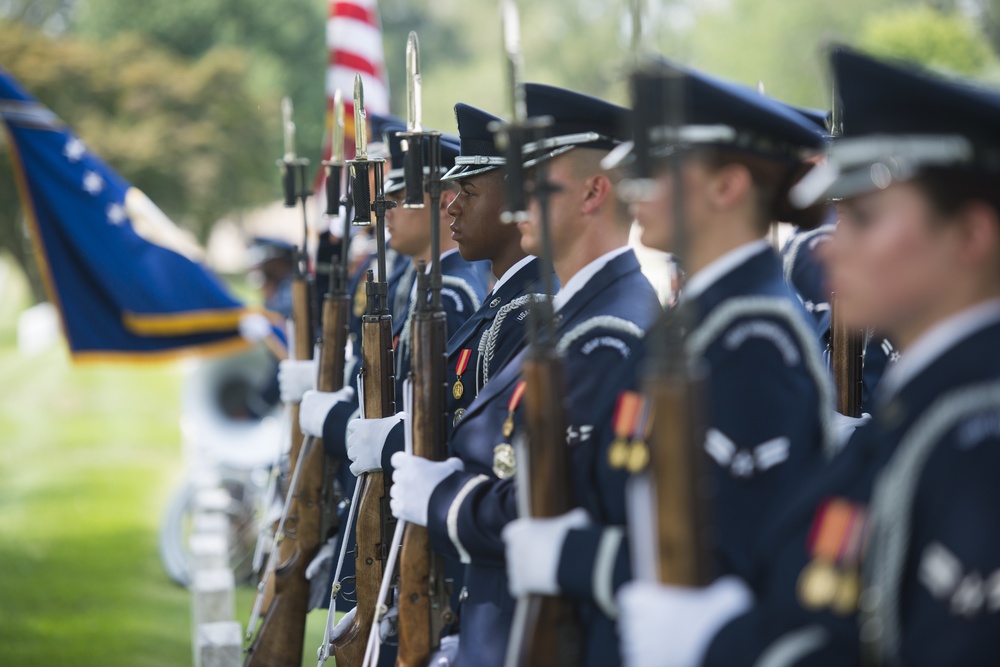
{"points": [[869, 600], [463, 595], [871, 631]]}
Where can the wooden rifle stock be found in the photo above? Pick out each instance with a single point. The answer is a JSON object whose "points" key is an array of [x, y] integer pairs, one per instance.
{"points": [[551, 631], [282, 632], [678, 476], [424, 607], [373, 498], [847, 353]]}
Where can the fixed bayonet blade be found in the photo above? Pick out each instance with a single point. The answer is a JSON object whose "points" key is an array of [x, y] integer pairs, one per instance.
{"points": [[414, 122], [289, 127], [337, 149], [511, 22], [360, 119]]}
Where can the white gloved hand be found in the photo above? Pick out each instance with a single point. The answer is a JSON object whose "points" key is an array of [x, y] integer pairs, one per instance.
{"points": [[692, 616], [844, 427], [366, 439], [295, 378], [254, 327], [447, 653], [342, 625], [413, 481], [533, 548], [316, 405], [389, 625]]}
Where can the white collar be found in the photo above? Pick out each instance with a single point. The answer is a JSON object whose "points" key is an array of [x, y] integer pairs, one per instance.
{"points": [[509, 273], [583, 276], [934, 342], [720, 267]]}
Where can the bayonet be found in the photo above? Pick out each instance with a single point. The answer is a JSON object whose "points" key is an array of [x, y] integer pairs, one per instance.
{"points": [[413, 138]]}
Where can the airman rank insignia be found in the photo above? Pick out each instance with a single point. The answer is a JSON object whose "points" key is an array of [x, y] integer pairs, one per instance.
{"points": [[463, 362], [459, 413], [836, 544], [631, 422], [515, 399], [504, 461]]}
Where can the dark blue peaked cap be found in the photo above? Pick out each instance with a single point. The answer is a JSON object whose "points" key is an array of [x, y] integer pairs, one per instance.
{"points": [[479, 152], [818, 117], [722, 114], [394, 179], [382, 125], [898, 118], [578, 121]]}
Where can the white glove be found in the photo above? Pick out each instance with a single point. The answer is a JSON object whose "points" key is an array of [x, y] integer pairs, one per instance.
{"points": [[844, 427], [692, 616], [296, 378], [317, 571], [389, 625], [316, 405], [254, 327], [366, 439], [342, 625], [413, 481], [447, 653], [533, 548]]}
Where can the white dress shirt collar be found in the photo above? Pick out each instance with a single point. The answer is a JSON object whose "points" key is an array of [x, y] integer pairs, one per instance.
{"points": [[720, 267], [510, 273], [583, 276]]}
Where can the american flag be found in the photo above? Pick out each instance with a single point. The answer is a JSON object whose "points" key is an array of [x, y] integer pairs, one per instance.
{"points": [[354, 42]]}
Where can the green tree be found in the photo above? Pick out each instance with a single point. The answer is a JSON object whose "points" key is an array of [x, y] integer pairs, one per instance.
{"points": [[944, 40], [189, 134]]}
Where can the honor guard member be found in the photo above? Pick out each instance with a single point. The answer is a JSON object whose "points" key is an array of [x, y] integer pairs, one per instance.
{"points": [[481, 346], [889, 554], [603, 308], [767, 396], [805, 272]]}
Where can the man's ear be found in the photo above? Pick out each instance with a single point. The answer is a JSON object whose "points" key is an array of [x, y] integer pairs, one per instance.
{"points": [[979, 225], [729, 185], [596, 191]]}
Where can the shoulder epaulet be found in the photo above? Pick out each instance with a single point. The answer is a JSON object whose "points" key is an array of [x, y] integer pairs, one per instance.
{"points": [[459, 284], [601, 322], [789, 257], [892, 504], [721, 319]]}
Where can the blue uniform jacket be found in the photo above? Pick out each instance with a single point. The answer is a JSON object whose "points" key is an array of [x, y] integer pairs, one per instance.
{"points": [[767, 405], [598, 328], [806, 275], [924, 473]]}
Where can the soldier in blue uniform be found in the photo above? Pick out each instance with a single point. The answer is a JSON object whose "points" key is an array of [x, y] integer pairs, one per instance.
{"points": [[889, 553], [805, 272], [767, 400], [603, 308], [480, 347]]}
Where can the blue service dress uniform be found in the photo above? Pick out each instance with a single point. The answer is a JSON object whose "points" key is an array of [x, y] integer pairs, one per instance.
{"points": [[767, 410], [806, 275], [920, 481], [599, 327]]}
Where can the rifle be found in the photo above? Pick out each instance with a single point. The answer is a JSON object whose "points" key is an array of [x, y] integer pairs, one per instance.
{"points": [[423, 597], [545, 629], [673, 485], [847, 346], [283, 592], [373, 528]]}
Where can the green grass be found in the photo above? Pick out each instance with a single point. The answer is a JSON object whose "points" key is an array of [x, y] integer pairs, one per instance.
{"points": [[89, 455]]}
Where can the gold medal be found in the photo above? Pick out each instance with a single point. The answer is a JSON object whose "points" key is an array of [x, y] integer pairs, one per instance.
{"points": [[618, 454], [818, 585], [504, 461], [508, 426], [845, 602], [458, 389], [459, 413], [638, 457]]}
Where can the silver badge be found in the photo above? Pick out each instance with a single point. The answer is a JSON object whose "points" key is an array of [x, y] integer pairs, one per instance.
{"points": [[495, 302], [459, 413], [504, 462]]}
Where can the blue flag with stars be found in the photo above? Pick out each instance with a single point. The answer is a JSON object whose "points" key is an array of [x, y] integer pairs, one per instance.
{"points": [[126, 281]]}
